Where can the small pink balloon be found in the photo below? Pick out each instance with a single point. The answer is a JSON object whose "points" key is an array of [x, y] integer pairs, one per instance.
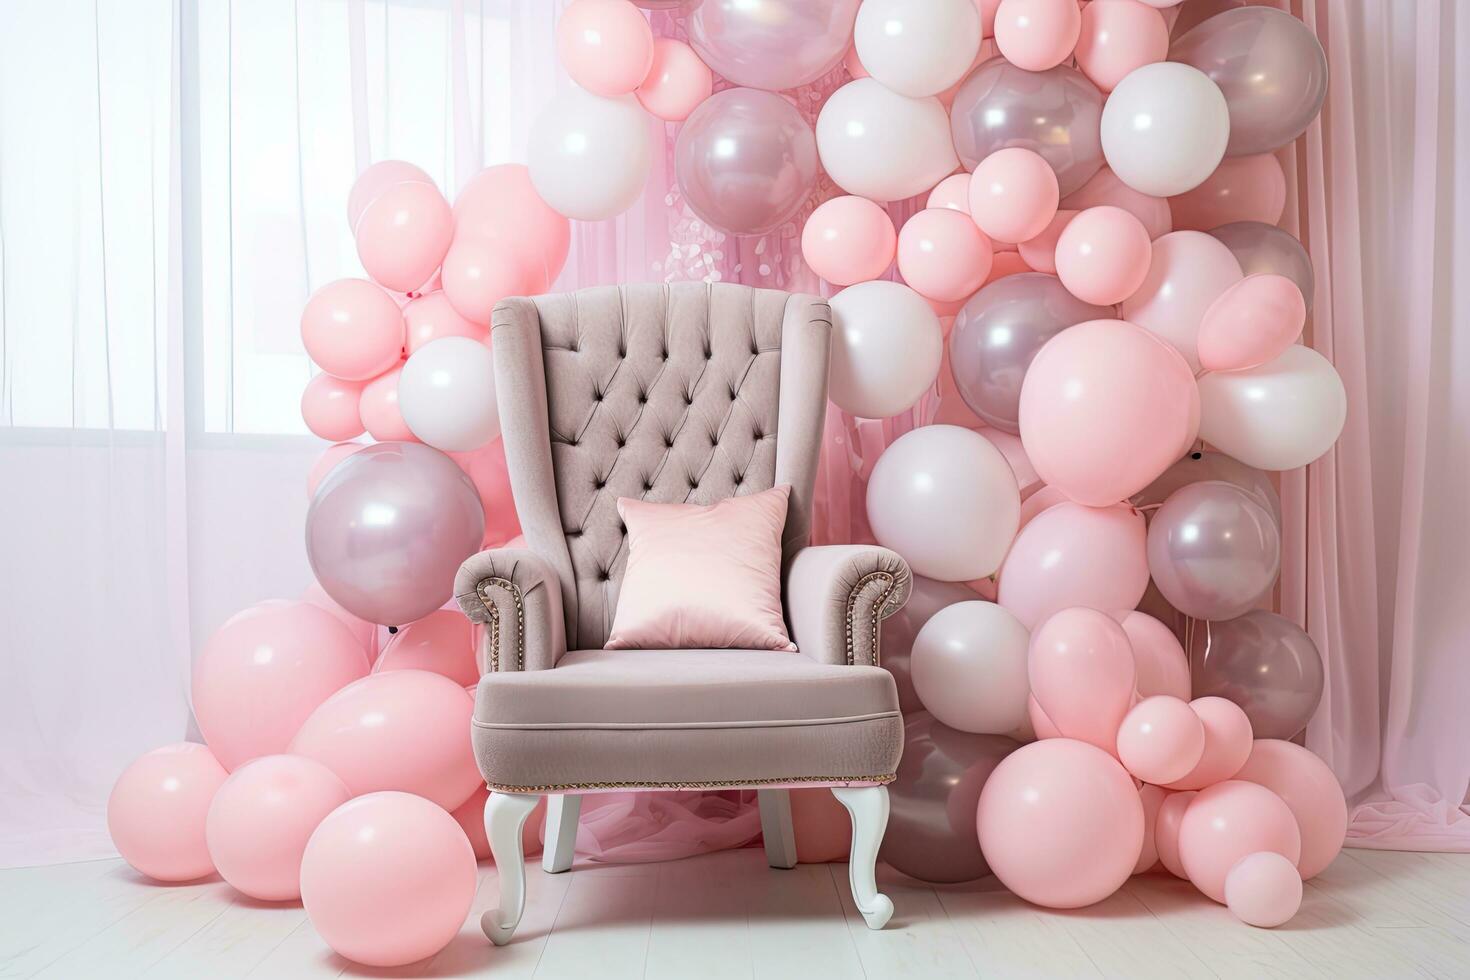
{"points": [[264, 671], [326, 462], [478, 273], [1074, 555], [487, 471], [953, 192], [1162, 667], [1311, 791], [1040, 252], [1102, 255], [1227, 743], [1013, 194], [157, 809], [432, 316], [677, 82], [378, 407], [387, 879], [1118, 37], [605, 45], [1007, 264], [1263, 890], [1161, 740], [440, 643], [1060, 823], [331, 408], [848, 239], [1152, 798], [1166, 830], [364, 632], [1251, 323], [401, 730], [403, 234], [1228, 821], [1037, 34], [352, 329], [378, 178], [942, 255], [1249, 188], [500, 204], [1104, 188], [261, 819], [1081, 673]]}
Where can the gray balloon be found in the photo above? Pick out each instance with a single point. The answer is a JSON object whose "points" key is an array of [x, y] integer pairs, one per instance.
{"points": [[389, 527], [1271, 68], [931, 818], [926, 597], [1057, 113], [1266, 664], [1262, 248], [1213, 550], [997, 334], [746, 161], [772, 44], [1198, 467]]}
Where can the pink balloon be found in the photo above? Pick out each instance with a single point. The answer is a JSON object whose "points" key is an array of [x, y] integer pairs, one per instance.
{"points": [[1037, 34], [1227, 743], [847, 240], [1241, 189], [987, 10], [1007, 264], [953, 192], [1161, 740], [1013, 194], [470, 816], [264, 671], [479, 273], [378, 407], [1082, 675], [1104, 188], [1040, 252], [402, 730], [1312, 792], [1228, 821], [1042, 499], [156, 811], [942, 255], [387, 879], [1152, 798], [1118, 37], [1251, 323], [325, 462], [1166, 830], [403, 234], [378, 178], [677, 82], [364, 632], [1060, 823], [331, 408], [1074, 555], [487, 471], [500, 204], [440, 643], [352, 329], [1102, 255], [1161, 666], [1041, 725], [432, 316], [853, 63], [260, 821], [1010, 447], [605, 45], [1105, 408], [1263, 890], [1188, 270]]}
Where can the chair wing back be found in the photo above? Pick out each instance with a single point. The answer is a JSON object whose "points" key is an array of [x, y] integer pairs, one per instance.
{"points": [[684, 392]]}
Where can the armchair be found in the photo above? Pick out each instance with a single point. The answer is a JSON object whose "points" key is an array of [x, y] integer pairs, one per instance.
{"points": [[671, 393]]}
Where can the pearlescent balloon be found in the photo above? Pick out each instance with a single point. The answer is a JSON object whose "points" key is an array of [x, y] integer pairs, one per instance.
{"points": [[1266, 664], [388, 529], [746, 161], [1198, 467], [772, 44], [1056, 113], [926, 597], [999, 331], [931, 819], [1213, 550], [1262, 248]]}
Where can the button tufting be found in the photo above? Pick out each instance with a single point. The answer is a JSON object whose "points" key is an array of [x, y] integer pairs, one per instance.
{"points": [[688, 398], [597, 396], [598, 485], [643, 398], [602, 575], [623, 529], [647, 486], [621, 442], [668, 442]]}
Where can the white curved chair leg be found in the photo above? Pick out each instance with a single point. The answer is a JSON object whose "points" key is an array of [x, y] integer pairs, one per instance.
{"points": [[868, 808], [505, 815], [776, 829], [562, 812]]}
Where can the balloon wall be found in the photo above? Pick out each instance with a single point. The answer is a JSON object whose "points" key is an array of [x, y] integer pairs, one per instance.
{"points": [[1057, 221]]}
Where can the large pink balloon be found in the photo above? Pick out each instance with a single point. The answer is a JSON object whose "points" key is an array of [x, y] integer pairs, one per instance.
{"points": [[1161, 665], [264, 671], [387, 879], [440, 643], [403, 234], [1188, 271], [501, 204], [486, 469], [1081, 673], [1104, 188], [332, 408], [677, 82], [1060, 823], [1105, 408], [1252, 322], [606, 46], [1310, 790], [480, 272], [1228, 821], [364, 632], [378, 408], [1161, 740], [1116, 38], [848, 239], [261, 819], [942, 254], [378, 178], [352, 329], [1241, 189], [1227, 743], [157, 810], [1102, 255], [432, 316], [1072, 555], [402, 730]]}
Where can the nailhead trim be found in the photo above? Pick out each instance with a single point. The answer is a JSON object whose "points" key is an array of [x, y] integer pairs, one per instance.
{"points": [[493, 613], [878, 606], [698, 784]]}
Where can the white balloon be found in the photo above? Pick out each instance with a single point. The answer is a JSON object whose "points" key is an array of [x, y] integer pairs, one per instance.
{"points": [[1164, 128], [917, 49], [881, 145], [1278, 416], [446, 392], [886, 348], [589, 156], [1187, 271], [969, 668], [945, 499]]}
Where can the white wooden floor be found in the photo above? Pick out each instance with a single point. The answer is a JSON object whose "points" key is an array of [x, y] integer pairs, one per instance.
{"points": [[1372, 914]]}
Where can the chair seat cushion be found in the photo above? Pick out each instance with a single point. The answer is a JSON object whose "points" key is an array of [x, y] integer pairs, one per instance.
{"points": [[604, 719]]}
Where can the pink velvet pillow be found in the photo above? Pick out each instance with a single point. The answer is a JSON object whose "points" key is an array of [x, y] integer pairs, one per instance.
{"points": [[703, 576]]}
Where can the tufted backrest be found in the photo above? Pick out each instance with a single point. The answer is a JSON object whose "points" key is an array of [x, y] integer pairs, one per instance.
{"points": [[685, 392]]}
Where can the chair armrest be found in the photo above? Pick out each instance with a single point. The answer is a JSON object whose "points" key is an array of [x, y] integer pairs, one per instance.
{"points": [[516, 596], [836, 595]]}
